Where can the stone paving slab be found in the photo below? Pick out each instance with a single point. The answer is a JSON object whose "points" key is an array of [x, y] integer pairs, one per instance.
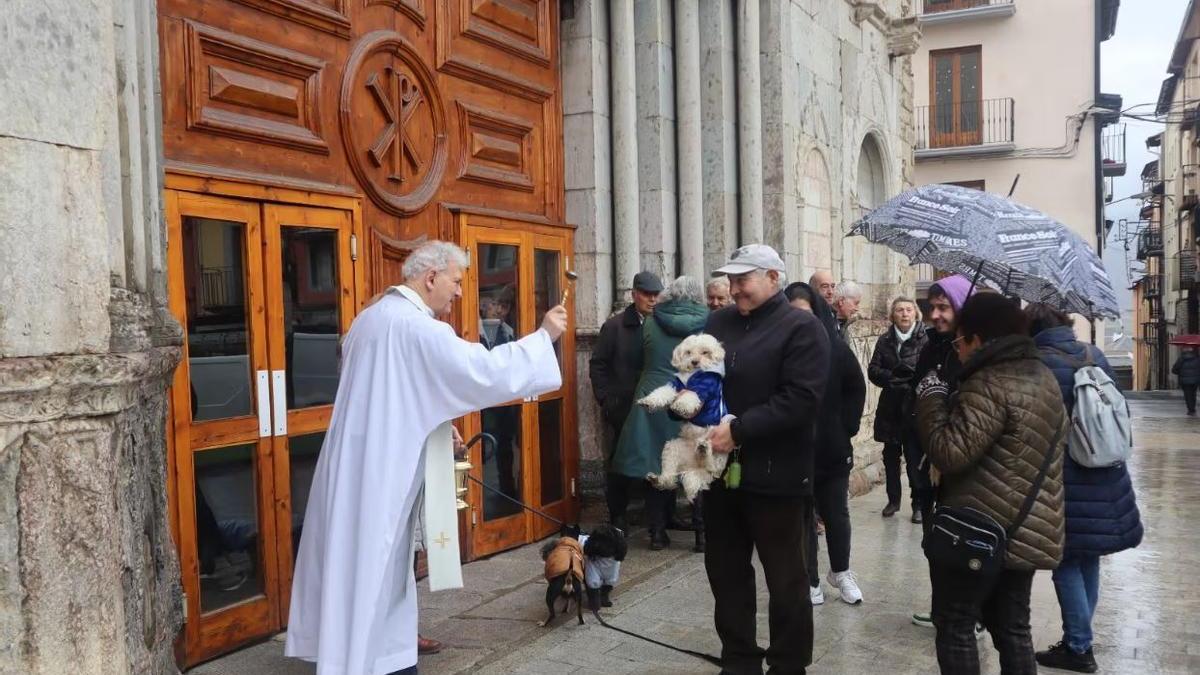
{"points": [[1145, 622]]}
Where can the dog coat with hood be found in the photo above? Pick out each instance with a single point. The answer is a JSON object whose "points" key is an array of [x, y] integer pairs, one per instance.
{"points": [[707, 384], [566, 556]]}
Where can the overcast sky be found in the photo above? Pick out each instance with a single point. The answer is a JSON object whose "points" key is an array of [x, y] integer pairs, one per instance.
{"points": [[1134, 64]]}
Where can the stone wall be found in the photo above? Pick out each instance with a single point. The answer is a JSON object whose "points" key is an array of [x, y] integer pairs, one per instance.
{"points": [[89, 578], [836, 132]]}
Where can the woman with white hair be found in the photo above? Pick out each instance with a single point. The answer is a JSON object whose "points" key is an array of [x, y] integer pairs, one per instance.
{"points": [[680, 312]]}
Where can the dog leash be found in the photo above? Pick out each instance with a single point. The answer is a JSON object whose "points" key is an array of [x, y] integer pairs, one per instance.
{"points": [[700, 655]]}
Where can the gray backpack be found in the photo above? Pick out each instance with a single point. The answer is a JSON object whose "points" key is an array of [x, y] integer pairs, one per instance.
{"points": [[1101, 435]]}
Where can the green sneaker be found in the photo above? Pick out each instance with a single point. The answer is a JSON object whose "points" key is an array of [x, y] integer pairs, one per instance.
{"points": [[923, 619]]}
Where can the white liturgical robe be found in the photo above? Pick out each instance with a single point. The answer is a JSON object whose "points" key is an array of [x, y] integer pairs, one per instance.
{"points": [[404, 373]]}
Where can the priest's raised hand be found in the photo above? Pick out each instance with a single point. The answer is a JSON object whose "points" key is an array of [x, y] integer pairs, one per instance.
{"points": [[404, 375], [555, 322]]}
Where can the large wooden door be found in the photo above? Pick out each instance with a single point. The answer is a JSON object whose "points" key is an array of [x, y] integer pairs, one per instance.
{"points": [[427, 115], [264, 294]]}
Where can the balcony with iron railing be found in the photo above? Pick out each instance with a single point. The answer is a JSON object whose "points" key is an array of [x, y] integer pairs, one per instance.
{"points": [[950, 11], [1112, 150], [1150, 243], [980, 127]]}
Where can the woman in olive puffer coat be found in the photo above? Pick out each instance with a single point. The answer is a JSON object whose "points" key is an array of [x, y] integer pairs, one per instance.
{"points": [[988, 443]]}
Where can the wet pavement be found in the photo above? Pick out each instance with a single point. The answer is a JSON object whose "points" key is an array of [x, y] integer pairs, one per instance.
{"points": [[1145, 622]]}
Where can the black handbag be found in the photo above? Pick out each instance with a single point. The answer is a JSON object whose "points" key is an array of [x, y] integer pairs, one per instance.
{"points": [[970, 541]]}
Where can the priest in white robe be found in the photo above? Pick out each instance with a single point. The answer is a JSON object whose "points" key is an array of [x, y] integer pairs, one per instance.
{"points": [[404, 374]]}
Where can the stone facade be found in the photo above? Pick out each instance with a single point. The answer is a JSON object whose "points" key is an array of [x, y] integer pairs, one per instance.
{"points": [[832, 122], [88, 571]]}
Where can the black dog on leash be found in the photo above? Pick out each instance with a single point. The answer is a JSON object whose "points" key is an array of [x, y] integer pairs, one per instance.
{"points": [[564, 562]]}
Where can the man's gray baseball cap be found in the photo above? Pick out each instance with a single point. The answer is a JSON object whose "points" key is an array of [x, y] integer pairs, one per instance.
{"points": [[749, 258]]}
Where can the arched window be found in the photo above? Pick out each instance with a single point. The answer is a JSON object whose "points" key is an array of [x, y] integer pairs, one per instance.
{"points": [[816, 228]]}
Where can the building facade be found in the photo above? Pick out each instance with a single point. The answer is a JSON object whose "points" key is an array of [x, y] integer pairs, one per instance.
{"points": [[1166, 293], [694, 127], [201, 195], [1008, 100]]}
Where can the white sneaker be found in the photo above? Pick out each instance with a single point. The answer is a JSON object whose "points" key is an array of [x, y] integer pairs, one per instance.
{"points": [[815, 596], [845, 582]]}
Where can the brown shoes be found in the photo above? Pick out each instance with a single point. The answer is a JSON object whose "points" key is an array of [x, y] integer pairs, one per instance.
{"points": [[425, 646]]}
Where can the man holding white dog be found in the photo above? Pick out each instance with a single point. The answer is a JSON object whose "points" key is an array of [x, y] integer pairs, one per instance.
{"points": [[776, 367]]}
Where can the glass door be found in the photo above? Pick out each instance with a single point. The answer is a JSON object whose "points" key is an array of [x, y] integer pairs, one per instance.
{"points": [[557, 456], [265, 293], [515, 277], [221, 424], [309, 281], [497, 305]]}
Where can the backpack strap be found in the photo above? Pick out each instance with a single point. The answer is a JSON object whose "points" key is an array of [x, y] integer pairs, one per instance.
{"points": [[1027, 506]]}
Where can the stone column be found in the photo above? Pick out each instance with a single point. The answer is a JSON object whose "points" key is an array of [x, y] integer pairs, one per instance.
{"points": [[718, 110], [656, 137], [688, 132], [623, 80], [89, 580], [749, 96], [589, 201]]}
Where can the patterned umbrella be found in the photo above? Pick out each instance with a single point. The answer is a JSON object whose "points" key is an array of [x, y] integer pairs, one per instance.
{"points": [[1019, 250]]}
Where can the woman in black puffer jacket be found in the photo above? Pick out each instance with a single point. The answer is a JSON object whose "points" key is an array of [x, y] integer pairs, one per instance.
{"points": [[1102, 513]]}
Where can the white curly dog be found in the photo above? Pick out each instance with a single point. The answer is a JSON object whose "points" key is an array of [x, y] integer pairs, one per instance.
{"points": [[695, 394]]}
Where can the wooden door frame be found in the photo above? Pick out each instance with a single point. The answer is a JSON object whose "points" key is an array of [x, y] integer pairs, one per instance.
{"points": [[180, 188], [530, 237], [496, 534], [313, 419], [954, 137], [214, 629]]}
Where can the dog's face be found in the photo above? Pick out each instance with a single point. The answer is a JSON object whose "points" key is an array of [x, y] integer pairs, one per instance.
{"points": [[697, 352]]}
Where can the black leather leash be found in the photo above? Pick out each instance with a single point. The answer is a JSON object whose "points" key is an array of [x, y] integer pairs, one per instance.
{"points": [[700, 655]]}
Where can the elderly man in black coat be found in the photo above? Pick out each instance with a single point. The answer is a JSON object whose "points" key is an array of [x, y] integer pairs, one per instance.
{"points": [[614, 368], [776, 368]]}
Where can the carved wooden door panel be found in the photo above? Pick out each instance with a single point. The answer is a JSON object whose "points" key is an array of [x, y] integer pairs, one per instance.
{"points": [[423, 113]]}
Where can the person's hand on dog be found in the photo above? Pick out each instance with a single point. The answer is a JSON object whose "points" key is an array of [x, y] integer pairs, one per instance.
{"points": [[720, 438]]}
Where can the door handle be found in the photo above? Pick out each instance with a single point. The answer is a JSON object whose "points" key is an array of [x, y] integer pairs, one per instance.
{"points": [[264, 404], [279, 394]]}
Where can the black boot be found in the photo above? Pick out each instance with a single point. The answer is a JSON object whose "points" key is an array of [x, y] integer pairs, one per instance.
{"points": [[659, 539], [605, 601], [594, 599], [699, 547]]}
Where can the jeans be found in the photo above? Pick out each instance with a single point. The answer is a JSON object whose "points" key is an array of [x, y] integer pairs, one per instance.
{"points": [[959, 601], [831, 500], [737, 523], [1189, 396], [918, 478], [1077, 584]]}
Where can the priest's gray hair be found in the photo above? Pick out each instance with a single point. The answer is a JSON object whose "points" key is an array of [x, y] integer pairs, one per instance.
{"points": [[434, 256], [687, 289]]}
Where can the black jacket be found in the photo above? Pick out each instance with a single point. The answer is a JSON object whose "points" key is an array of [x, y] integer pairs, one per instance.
{"points": [[938, 354], [892, 371], [841, 413], [1187, 368], [776, 365], [616, 365]]}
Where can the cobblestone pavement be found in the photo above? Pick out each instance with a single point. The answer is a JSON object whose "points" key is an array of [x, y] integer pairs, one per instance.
{"points": [[1144, 623]]}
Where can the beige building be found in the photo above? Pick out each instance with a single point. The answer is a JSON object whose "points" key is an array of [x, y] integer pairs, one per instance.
{"points": [[1165, 297], [1007, 96]]}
